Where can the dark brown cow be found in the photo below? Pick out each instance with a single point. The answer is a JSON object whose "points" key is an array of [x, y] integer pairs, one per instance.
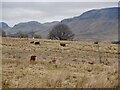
{"points": [[62, 44], [37, 43], [32, 42], [33, 57], [53, 61], [95, 42], [91, 62]]}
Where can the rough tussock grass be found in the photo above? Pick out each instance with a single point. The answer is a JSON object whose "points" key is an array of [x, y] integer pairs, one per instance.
{"points": [[72, 68]]}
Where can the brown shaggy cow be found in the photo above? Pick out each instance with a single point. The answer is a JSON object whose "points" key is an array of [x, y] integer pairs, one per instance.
{"points": [[32, 42], [62, 44], [53, 61], [91, 62], [95, 42], [33, 57], [37, 43]]}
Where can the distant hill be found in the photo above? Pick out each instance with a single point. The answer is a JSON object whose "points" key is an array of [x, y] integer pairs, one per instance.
{"points": [[98, 24], [27, 27], [4, 26], [32, 27]]}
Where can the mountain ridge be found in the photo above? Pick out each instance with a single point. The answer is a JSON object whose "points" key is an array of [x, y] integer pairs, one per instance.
{"points": [[97, 24]]}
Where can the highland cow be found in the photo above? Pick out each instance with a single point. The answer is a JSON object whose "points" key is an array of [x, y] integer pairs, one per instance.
{"points": [[62, 44], [95, 42], [33, 57], [53, 61], [32, 42], [37, 43]]}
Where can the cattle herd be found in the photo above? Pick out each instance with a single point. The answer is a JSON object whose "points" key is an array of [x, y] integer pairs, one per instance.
{"points": [[33, 57]]}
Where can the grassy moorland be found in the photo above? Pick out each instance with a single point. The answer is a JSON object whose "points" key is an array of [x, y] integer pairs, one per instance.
{"points": [[79, 64]]}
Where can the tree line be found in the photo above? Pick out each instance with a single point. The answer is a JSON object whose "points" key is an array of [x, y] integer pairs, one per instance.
{"points": [[58, 32]]}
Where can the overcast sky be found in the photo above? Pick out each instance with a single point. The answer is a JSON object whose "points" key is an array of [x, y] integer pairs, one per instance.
{"points": [[15, 12], [59, 0]]}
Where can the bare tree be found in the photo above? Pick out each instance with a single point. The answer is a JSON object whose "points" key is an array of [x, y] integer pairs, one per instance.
{"points": [[37, 36], [61, 32], [21, 34], [2, 33]]}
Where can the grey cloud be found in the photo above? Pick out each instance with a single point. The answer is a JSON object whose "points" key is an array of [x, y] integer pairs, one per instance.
{"points": [[14, 12], [59, 0]]}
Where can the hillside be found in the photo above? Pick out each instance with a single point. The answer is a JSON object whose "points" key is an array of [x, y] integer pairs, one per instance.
{"points": [[4, 26], [98, 24]]}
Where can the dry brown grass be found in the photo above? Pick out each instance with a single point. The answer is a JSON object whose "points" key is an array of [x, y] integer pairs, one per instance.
{"points": [[72, 68]]}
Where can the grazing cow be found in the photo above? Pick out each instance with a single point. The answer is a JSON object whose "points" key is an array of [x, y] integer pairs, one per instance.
{"points": [[62, 44], [74, 60], [91, 62], [50, 61], [32, 42], [37, 43], [33, 57], [53, 61], [89, 70], [4, 44], [83, 61], [95, 42]]}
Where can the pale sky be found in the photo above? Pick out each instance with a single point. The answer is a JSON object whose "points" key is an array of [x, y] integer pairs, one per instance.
{"points": [[16, 11], [60, 0]]}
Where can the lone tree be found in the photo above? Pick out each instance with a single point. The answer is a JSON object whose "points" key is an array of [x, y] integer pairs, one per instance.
{"points": [[37, 36], [2, 33], [61, 32], [21, 34]]}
